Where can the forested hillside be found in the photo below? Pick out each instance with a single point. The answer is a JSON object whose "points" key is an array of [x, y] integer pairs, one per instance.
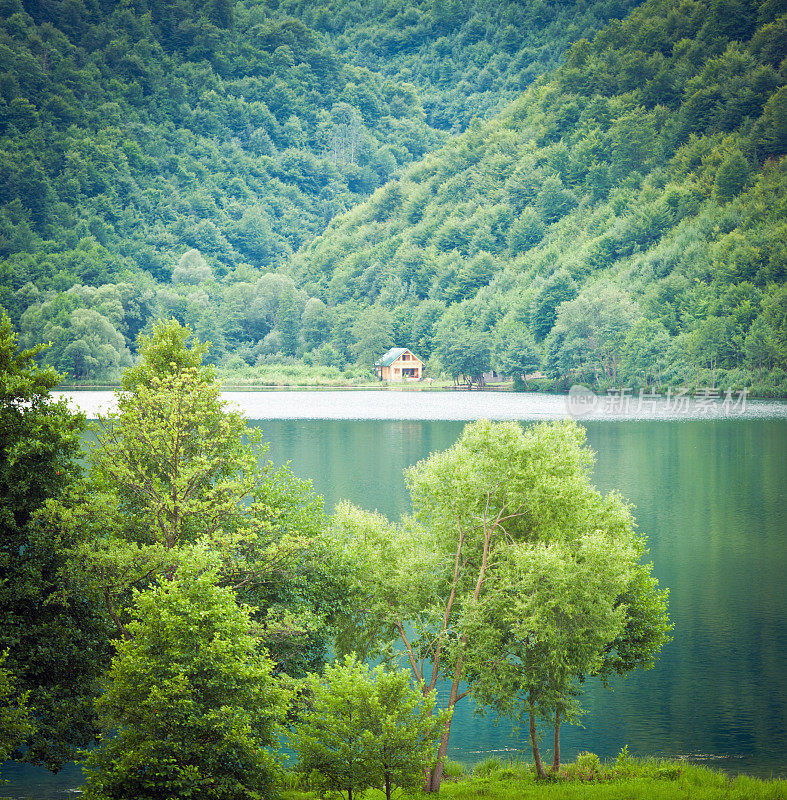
{"points": [[165, 158], [622, 222], [465, 58]]}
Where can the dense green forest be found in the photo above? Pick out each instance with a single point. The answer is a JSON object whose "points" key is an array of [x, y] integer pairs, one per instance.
{"points": [[466, 59], [165, 158], [312, 184], [623, 221], [174, 595]]}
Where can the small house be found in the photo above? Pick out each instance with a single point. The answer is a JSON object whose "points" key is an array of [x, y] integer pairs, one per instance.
{"points": [[399, 364]]}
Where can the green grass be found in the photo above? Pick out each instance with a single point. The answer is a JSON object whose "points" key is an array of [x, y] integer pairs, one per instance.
{"points": [[587, 779]]}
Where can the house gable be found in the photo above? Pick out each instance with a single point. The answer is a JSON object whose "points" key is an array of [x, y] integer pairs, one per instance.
{"points": [[399, 363]]}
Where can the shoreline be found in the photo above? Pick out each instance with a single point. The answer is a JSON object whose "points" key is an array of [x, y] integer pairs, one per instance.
{"points": [[501, 388]]}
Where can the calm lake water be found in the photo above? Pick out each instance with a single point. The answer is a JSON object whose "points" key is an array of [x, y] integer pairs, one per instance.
{"points": [[709, 495]]}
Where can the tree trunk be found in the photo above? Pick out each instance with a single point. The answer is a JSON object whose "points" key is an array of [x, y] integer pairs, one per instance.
{"points": [[556, 754], [534, 740], [387, 786], [434, 776]]}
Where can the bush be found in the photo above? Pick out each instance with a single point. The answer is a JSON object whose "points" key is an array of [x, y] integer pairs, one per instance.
{"points": [[366, 728], [587, 767], [192, 706]]}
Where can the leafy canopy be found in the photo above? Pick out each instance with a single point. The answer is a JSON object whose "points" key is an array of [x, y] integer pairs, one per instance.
{"points": [[191, 702]]}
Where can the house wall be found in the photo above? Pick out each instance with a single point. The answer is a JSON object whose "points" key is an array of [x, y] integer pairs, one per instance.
{"points": [[394, 372]]}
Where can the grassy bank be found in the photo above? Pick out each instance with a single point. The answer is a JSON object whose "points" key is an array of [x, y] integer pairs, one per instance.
{"points": [[303, 376], [586, 779]]}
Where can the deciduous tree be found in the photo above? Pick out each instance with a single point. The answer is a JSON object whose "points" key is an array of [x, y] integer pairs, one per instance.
{"points": [[192, 708], [56, 643], [557, 612], [366, 727], [498, 487], [173, 466]]}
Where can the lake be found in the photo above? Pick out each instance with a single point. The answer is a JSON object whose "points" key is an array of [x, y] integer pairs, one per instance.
{"points": [[709, 494]]}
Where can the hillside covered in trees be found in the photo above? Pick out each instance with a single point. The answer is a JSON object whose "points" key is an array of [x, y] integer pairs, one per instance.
{"points": [[622, 222], [314, 183], [132, 134]]}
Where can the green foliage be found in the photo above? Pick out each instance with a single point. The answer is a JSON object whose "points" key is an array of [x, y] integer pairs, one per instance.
{"points": [[453, 769], [558, 288], [287, 324], [487, 767], [515, 351], [463, 59], [588, 764], [55, 644], [366, 728], [16, 722], [174, 467], [732, 176], [464, 352], [191, 707], [188, 150], [516, 575], [639, 163], [183, 164], [589, 335]]}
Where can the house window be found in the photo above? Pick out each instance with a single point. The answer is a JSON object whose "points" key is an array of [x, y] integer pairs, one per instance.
{"points": [[405, 356]]}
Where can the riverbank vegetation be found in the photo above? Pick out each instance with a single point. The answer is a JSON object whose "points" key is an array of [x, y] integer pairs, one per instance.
{"points": [[315, 183], [589, 779]]}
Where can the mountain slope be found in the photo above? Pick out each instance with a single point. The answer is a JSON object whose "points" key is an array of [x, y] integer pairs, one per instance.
{"points": [[466, 58], [132, 134], [642, 186]]}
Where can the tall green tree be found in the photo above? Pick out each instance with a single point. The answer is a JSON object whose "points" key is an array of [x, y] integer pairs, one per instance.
{"points": [[463, 351], [515, 351], [288, 323], [192, 708], [421, 581], [56, 642], [588, 338], [172, 467], [555, 615], [374, 335]]}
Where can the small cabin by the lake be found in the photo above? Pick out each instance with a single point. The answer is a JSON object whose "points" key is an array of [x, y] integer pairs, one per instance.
{"points": [[399, 364]]}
